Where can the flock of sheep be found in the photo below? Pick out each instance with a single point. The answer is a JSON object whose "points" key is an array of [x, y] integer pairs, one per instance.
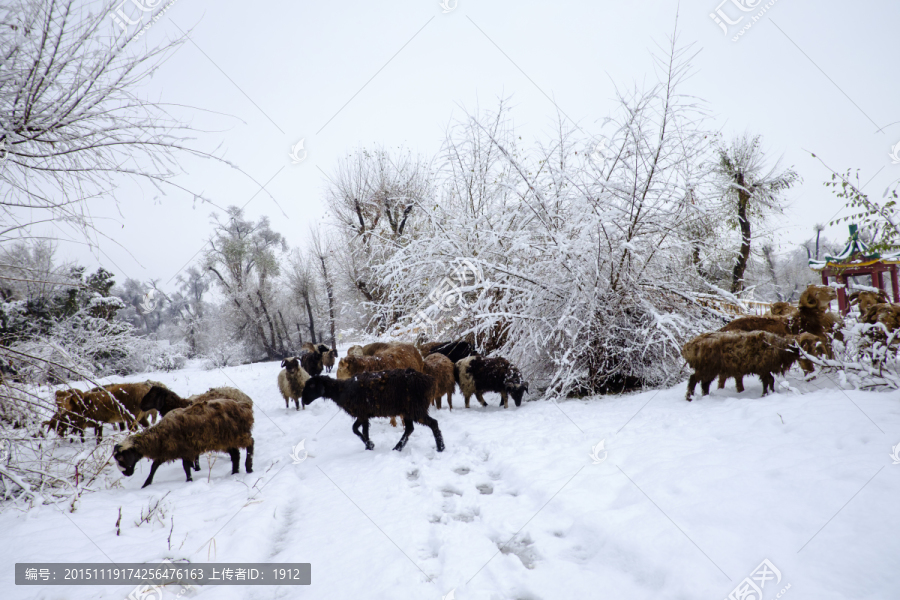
{"points": [[379, 380], [390, 380], [394, 380], [771, 343]]}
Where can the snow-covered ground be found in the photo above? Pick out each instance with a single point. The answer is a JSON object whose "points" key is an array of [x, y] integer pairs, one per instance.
{"points": [[684, 500]]}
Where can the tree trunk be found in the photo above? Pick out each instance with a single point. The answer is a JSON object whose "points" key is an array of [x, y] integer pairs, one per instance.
{"points": [[330, 293], [312, 325], [737, 276], [276, 342]]}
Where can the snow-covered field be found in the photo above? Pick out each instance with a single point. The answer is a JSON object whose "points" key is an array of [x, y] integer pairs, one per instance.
{"points": [[684, 500]]}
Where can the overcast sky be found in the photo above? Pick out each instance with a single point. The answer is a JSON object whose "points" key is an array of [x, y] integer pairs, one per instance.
{"points": [[807, 76]]}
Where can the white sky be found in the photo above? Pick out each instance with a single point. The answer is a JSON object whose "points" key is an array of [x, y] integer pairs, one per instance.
{"points": [[819, 77]]}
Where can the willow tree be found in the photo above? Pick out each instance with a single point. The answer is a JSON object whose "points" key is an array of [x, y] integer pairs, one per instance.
{"points": [[750, 191]]}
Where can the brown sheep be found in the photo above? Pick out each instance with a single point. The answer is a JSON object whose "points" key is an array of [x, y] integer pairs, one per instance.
{"points": [[165, 400], [355, 351], [329, 357], [885, 314], [291, 380], [440, 368], [735, 354], [217, 425], [374, 347], [62, 420], [865, 299]]}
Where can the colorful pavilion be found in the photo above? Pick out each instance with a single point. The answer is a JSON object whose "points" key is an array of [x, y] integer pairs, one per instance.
{"points": [[855, 260]]}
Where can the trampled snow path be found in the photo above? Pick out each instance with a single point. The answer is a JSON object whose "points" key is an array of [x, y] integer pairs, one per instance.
{"points": [[688, 499]]}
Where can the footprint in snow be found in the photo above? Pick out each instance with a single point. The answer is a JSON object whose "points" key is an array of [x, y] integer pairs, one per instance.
{"points": [[461, 470], [485, 489]]}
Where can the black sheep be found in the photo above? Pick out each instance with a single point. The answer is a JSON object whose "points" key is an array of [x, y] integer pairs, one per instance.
{"points": [[455, 351], [477, 374], [312, 362], [393, 393]]}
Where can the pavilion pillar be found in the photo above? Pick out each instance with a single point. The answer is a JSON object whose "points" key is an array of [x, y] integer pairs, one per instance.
{"points": [[843, 304], [894, 291]]}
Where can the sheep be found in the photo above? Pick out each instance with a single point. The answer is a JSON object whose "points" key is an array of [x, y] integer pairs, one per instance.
{"points": [[355, 351], [735, 354], [477, 374], [440, 368], [165, 400], [397, 356], [392, 393], [886, 314], [455, 351], [329, 357], [371, 349], [864, 299], [62, 420], [311, 361], [811, 316], [291, 380], [215, 425], [94, 408], [426, 347]]}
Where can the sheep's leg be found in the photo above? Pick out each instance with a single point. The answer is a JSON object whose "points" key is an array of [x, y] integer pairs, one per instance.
{"points": [[235, 460], [297, 404], [407, 430], [692, 384], [248, 463], [739, 383], [287, 403], [768, 382], [153, 469], [187, 465], [704, 387], [121, 426], [504, 399], [449, 401], [196, 463], [480, 398], [722, 380], [436, 402], [467, 400], [98, 431], [438, 438], [364, 435]]}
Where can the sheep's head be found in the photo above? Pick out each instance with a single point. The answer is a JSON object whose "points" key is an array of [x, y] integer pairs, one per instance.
{"points": [[291, 364], [867, 299], [126, 457], [346, 367], [314, 388], [65, 398], [782, 309], [154, 399], [817, 296], [514, 385]]}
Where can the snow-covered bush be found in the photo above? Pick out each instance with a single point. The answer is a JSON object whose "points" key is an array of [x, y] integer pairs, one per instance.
{"points": [[581, 251]]}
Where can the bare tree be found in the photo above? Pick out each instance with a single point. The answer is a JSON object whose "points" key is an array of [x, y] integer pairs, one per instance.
{"points": [[243, 258], [320, 249], [749, 190]]}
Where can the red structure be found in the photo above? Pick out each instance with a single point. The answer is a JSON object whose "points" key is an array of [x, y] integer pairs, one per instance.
{"points": [[855, 260]]}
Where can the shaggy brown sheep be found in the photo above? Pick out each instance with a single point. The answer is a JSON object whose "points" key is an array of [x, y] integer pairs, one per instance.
{"points": [[291, 380], [735, 354], [866, 299], [393, 393], [371, 349], [329, 357], [218, 425], [440, 368], [477, 374], [164, 400], [355, 351]]}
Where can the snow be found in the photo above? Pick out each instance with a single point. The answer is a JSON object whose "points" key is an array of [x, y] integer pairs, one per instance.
{"points": [[685, 503]]}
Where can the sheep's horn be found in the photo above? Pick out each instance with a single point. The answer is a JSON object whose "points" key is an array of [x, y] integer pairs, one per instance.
{"points": [[808, 300]]}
